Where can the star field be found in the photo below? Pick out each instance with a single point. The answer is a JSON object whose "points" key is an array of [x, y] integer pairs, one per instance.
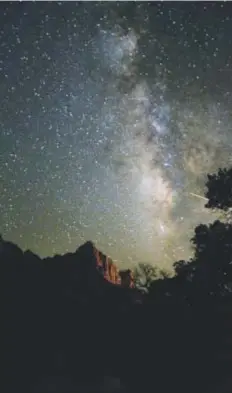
{"points": [[111, 116]]}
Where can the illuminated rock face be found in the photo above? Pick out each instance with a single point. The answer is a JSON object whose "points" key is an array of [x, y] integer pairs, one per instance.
{"points": [[101, 262], [106, 267]]}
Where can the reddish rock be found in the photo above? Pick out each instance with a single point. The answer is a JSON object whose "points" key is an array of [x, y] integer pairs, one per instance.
{"points": [[103, 263]]}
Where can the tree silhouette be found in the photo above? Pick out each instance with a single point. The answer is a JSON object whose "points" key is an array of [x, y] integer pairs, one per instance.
{"points": [[209, 272], [219, 190], [144, 274], [213, 256]]}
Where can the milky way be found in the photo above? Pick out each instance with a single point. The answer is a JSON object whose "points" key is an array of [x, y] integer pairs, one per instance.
{"points": [[112, 114]]}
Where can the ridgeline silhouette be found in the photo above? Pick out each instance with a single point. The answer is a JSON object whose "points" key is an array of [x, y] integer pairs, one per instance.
{"points": [[72, 321]]}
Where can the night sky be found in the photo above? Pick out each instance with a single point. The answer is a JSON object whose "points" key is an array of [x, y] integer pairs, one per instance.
{"points": [[111, 116]]}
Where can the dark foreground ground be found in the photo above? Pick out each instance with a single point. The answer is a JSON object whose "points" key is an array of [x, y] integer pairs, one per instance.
{"points": [[65, 329]]}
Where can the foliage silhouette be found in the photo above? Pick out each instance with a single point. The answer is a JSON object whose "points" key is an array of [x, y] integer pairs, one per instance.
{"points": [[219, 190], [209, 273], [210, 270], [144, 274]]}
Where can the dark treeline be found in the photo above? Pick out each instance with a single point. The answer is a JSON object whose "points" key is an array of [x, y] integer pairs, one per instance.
{"points": [[65, 328]]}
